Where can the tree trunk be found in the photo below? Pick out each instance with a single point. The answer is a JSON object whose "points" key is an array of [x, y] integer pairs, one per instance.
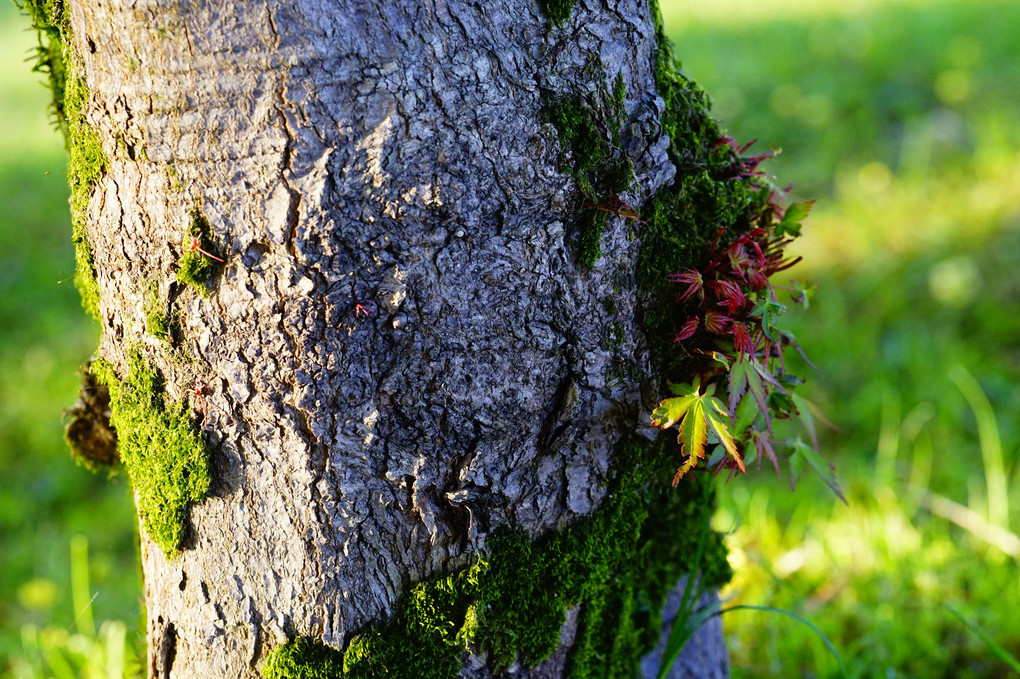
{"points": [[405, 351]]}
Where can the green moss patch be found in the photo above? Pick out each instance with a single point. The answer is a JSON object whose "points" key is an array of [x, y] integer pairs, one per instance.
{"points": [[589, 129], [86, 160], [304, 659], [200, 258], [682, 219], [558, 11], [157, 320], [163, 451], [618, 565], [86, 165]]}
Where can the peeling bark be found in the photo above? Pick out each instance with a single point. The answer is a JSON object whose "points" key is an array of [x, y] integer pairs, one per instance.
{"points": [[400, 353]]}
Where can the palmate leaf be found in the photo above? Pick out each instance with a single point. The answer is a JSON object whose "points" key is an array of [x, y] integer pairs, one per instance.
{"points": [[794, 215], [805, 410], [802, 452], [769, 310], [698, 413], [761, 442], [746, 375], [693, 437], [744, 418]]}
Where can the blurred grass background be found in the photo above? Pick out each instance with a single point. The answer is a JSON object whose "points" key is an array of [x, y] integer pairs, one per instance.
{"points": [[901, 118], [45, 499]]}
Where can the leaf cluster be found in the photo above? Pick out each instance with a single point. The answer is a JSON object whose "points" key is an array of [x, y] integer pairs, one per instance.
{"points": [[726, 317]]}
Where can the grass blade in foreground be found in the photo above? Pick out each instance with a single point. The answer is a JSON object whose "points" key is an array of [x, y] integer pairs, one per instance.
{"points": [[679, 636], [1001, 653], [686, 623], [804, 621]]}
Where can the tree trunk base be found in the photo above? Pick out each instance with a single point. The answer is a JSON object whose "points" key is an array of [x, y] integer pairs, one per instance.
{"points": [[704, 656]]}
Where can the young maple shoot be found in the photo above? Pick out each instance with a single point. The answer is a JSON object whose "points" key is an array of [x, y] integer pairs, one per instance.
{"points": [[700, 412], [731, 310]]}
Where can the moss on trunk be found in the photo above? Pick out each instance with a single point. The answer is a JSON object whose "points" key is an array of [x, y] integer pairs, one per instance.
{"points": [[199, 259], [163, 451], [86, 160], [618, 565], [589, 130], [683, 218]]}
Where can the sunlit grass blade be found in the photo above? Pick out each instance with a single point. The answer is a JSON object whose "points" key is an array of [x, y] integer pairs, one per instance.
{"points": [[30, 664], [819, 633], [991, 446], [1001, 653], [53, 647], [53, 652], [888, 439], [680, 635], [115, 648], [973, 523], [80, 595]]}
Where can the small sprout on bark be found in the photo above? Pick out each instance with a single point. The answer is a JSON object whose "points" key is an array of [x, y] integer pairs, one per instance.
{"points": [[196, 264], [360, 308], [198, 392], [615, 205], [196, 245]]}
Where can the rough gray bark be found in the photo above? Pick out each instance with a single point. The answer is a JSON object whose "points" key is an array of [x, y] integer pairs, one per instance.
{"points": [[393, 152]]}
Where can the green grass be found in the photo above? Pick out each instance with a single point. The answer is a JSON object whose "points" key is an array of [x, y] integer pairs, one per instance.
{"points": [[900, 117], [104, 653], [45, 499]]}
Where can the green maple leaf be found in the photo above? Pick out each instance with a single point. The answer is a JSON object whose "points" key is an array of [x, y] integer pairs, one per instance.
{"points": [[746, 375], [769, 310], [698, 413], [796, 213], [803, 452]]}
